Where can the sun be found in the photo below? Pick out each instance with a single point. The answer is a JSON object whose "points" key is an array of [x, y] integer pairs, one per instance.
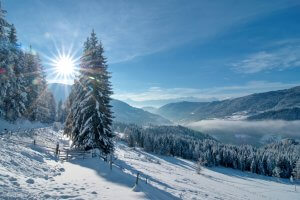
{"points": [[64, 65]]}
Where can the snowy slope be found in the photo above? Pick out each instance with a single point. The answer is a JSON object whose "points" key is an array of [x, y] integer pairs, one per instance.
{"points": [[31, 172], [179, 177]]}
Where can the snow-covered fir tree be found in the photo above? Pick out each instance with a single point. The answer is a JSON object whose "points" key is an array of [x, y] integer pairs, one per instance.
{"points": [[13, 94], [3, 23], [12, 36], [90, 119], [59, 112], [296, 171], [23, 85]]}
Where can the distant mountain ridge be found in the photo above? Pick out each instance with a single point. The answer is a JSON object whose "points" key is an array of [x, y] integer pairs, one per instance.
{"points": [[150, 109], [125, 113], [122, 111], [250, 105]]}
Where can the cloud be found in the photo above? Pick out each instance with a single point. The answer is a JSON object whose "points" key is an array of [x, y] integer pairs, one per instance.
{"points": [[158, 93], [280, 56]]}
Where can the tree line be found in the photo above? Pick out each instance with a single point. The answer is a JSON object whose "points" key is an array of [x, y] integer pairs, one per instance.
{"points": [[279, 159], [23, 87]]}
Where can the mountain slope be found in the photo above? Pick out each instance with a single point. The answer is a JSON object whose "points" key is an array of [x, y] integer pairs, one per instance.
{"points": [[122, 111], [247, 105], [128, 114], [289, 114], [150, 109]]}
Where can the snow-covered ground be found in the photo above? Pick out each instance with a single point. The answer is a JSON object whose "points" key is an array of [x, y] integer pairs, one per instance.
{"points": [[179, 177], [19, 125], [33, 172]]}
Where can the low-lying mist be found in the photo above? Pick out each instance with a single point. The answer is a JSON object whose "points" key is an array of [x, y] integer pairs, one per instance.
{"points": [[248, 132]]}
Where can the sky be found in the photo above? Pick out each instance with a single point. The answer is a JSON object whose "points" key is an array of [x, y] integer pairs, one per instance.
{"points": [[163, 51]]}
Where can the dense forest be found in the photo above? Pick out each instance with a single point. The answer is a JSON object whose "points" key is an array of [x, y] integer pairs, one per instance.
{"points": [[279, 159], [23, 87]]}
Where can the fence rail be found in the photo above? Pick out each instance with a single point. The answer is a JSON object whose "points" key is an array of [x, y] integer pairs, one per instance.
{"points": [[64, 153]]}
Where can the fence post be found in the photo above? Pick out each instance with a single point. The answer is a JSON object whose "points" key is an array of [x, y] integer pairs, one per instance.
{"points": [[56, 149], [146, 179], [34, 142], [137, 178], [110, 162], [67, 155]]}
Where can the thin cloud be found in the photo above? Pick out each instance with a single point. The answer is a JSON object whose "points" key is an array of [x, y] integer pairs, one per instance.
{"points": [[158, 93], [280, 57]]}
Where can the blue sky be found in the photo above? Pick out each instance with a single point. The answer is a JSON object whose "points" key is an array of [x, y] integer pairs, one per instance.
{"points": [[159, 51]]}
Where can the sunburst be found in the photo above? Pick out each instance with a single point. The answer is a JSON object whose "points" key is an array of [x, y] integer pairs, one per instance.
{"points": [[64, 66]]}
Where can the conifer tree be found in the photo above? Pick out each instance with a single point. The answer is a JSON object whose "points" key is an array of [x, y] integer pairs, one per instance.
{"points": [[90, 118], [23, 87], [12, 35], [59, 111], [297, 170], [3, 23]]}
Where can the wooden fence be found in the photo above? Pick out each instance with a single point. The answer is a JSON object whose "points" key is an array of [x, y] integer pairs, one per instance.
{"points": [[65, 153]]}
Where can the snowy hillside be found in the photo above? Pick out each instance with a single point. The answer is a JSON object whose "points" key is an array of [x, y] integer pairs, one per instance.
{"points": [[32, 172]]}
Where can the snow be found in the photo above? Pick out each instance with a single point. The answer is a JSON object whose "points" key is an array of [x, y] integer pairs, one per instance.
{"points": [[20, 125], [30, 171], [178, 177]]}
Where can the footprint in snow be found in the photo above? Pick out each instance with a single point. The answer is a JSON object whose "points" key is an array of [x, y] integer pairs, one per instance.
{"points": [[47, 196], [30, 181], [12, 179], [94, 192]]}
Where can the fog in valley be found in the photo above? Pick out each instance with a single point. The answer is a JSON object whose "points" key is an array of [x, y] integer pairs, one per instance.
{"points": [[248, 132]]}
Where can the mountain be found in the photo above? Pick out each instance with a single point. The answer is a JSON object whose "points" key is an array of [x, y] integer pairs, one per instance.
{"points": [[125, 113], [122, 111], [160, 102], [150, 109], [60, 91], [243, 106], [289, 114]]}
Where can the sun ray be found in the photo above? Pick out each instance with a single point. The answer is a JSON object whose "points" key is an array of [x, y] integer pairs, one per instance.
{"points": [[64, 65]]}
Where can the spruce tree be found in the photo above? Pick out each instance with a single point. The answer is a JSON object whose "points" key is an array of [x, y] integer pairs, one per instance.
{"points": [[12, 35], [3, 23], [23, 87], [35, 86], [59, 111], [90, 118], [12, 94]]}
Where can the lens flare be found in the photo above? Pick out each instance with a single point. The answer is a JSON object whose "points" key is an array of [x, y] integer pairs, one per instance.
{"points": [[64, 67]]}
